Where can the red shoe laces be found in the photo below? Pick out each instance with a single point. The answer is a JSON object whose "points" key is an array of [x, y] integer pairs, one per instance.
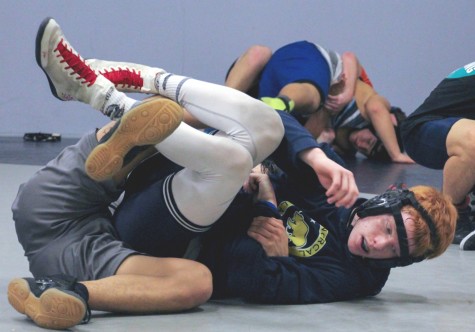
{"points": [[76, 63], [126, 77]]}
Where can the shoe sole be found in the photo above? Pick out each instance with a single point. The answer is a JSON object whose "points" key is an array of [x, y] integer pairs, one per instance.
{"points": [[147, 124], [54, 309], [39, 38]]}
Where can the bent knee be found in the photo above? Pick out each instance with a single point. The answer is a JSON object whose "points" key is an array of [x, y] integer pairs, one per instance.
{"points": [[267, 117], [268, 133], [461, 138], [258, 55], [238, 163], [199, 287]]}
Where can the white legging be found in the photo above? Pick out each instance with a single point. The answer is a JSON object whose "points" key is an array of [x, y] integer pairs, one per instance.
{"points": [[216, 166]]}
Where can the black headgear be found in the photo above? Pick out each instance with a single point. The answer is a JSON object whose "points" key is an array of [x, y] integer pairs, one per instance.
{"points": [[392, 202]]}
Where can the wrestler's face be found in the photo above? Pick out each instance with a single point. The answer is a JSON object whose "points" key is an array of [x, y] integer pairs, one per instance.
{"points": [[376, 236], [363, 141]]}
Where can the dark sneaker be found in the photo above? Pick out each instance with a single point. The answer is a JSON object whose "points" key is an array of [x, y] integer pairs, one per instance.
{"points": [[146, 124], [471, 202], [468, 242], [54, 302], [464, 225]]}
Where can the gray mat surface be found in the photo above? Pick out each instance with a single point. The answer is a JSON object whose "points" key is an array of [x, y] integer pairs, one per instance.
{"points": [[431, 296]]}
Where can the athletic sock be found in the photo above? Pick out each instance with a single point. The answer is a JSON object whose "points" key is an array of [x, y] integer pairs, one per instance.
{"points": [[117, 103], [168, 85]]}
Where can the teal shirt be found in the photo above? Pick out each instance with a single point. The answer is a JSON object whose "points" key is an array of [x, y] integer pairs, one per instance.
{"points": [[467, 70]]}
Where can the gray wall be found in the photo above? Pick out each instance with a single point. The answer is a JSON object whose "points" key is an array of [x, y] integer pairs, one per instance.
{"points": [[407, 46]]}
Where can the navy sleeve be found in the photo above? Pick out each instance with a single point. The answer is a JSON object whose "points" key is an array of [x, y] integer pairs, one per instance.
{"points": [[288, 280], [265, 209], [296, 139]]}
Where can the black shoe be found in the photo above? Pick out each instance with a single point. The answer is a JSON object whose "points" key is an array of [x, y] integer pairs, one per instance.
{"points": [[464, 225], [54, 302], [468, 242], [471, 202]]}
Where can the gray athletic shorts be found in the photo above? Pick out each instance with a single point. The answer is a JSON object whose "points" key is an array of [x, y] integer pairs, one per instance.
{"points": [[63, 221]]}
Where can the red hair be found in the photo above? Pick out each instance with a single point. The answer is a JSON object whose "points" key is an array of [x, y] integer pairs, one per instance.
{"points": [[444, 215]]}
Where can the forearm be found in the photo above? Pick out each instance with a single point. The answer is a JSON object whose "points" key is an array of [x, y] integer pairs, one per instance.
{"points": [[296, 139], [381, 120], [351, 69], [387, 135], [312, 156]]}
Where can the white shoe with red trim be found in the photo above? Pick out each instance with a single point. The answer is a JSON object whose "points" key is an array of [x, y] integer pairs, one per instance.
{"points": [[127, 77], [70, 78]]}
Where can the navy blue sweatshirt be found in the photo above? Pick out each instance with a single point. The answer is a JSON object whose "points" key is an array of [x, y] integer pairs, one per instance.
{"points": [[319, 268]]}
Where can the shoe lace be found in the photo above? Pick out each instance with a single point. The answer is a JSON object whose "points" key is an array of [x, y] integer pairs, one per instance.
{"points": [[44, 283], [65, 282], [76, 63], [124, 76]]}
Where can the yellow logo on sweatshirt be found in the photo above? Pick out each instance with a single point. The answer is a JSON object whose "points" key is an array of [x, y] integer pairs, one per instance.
{"points": [[304, 238]]}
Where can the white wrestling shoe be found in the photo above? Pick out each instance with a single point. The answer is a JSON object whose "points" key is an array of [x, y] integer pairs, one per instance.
{"points": [[70, 78], [127, 77]]}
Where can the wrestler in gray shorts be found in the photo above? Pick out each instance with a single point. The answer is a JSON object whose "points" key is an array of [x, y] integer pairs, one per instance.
{"points": [[62, 215], [63, 221]]}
